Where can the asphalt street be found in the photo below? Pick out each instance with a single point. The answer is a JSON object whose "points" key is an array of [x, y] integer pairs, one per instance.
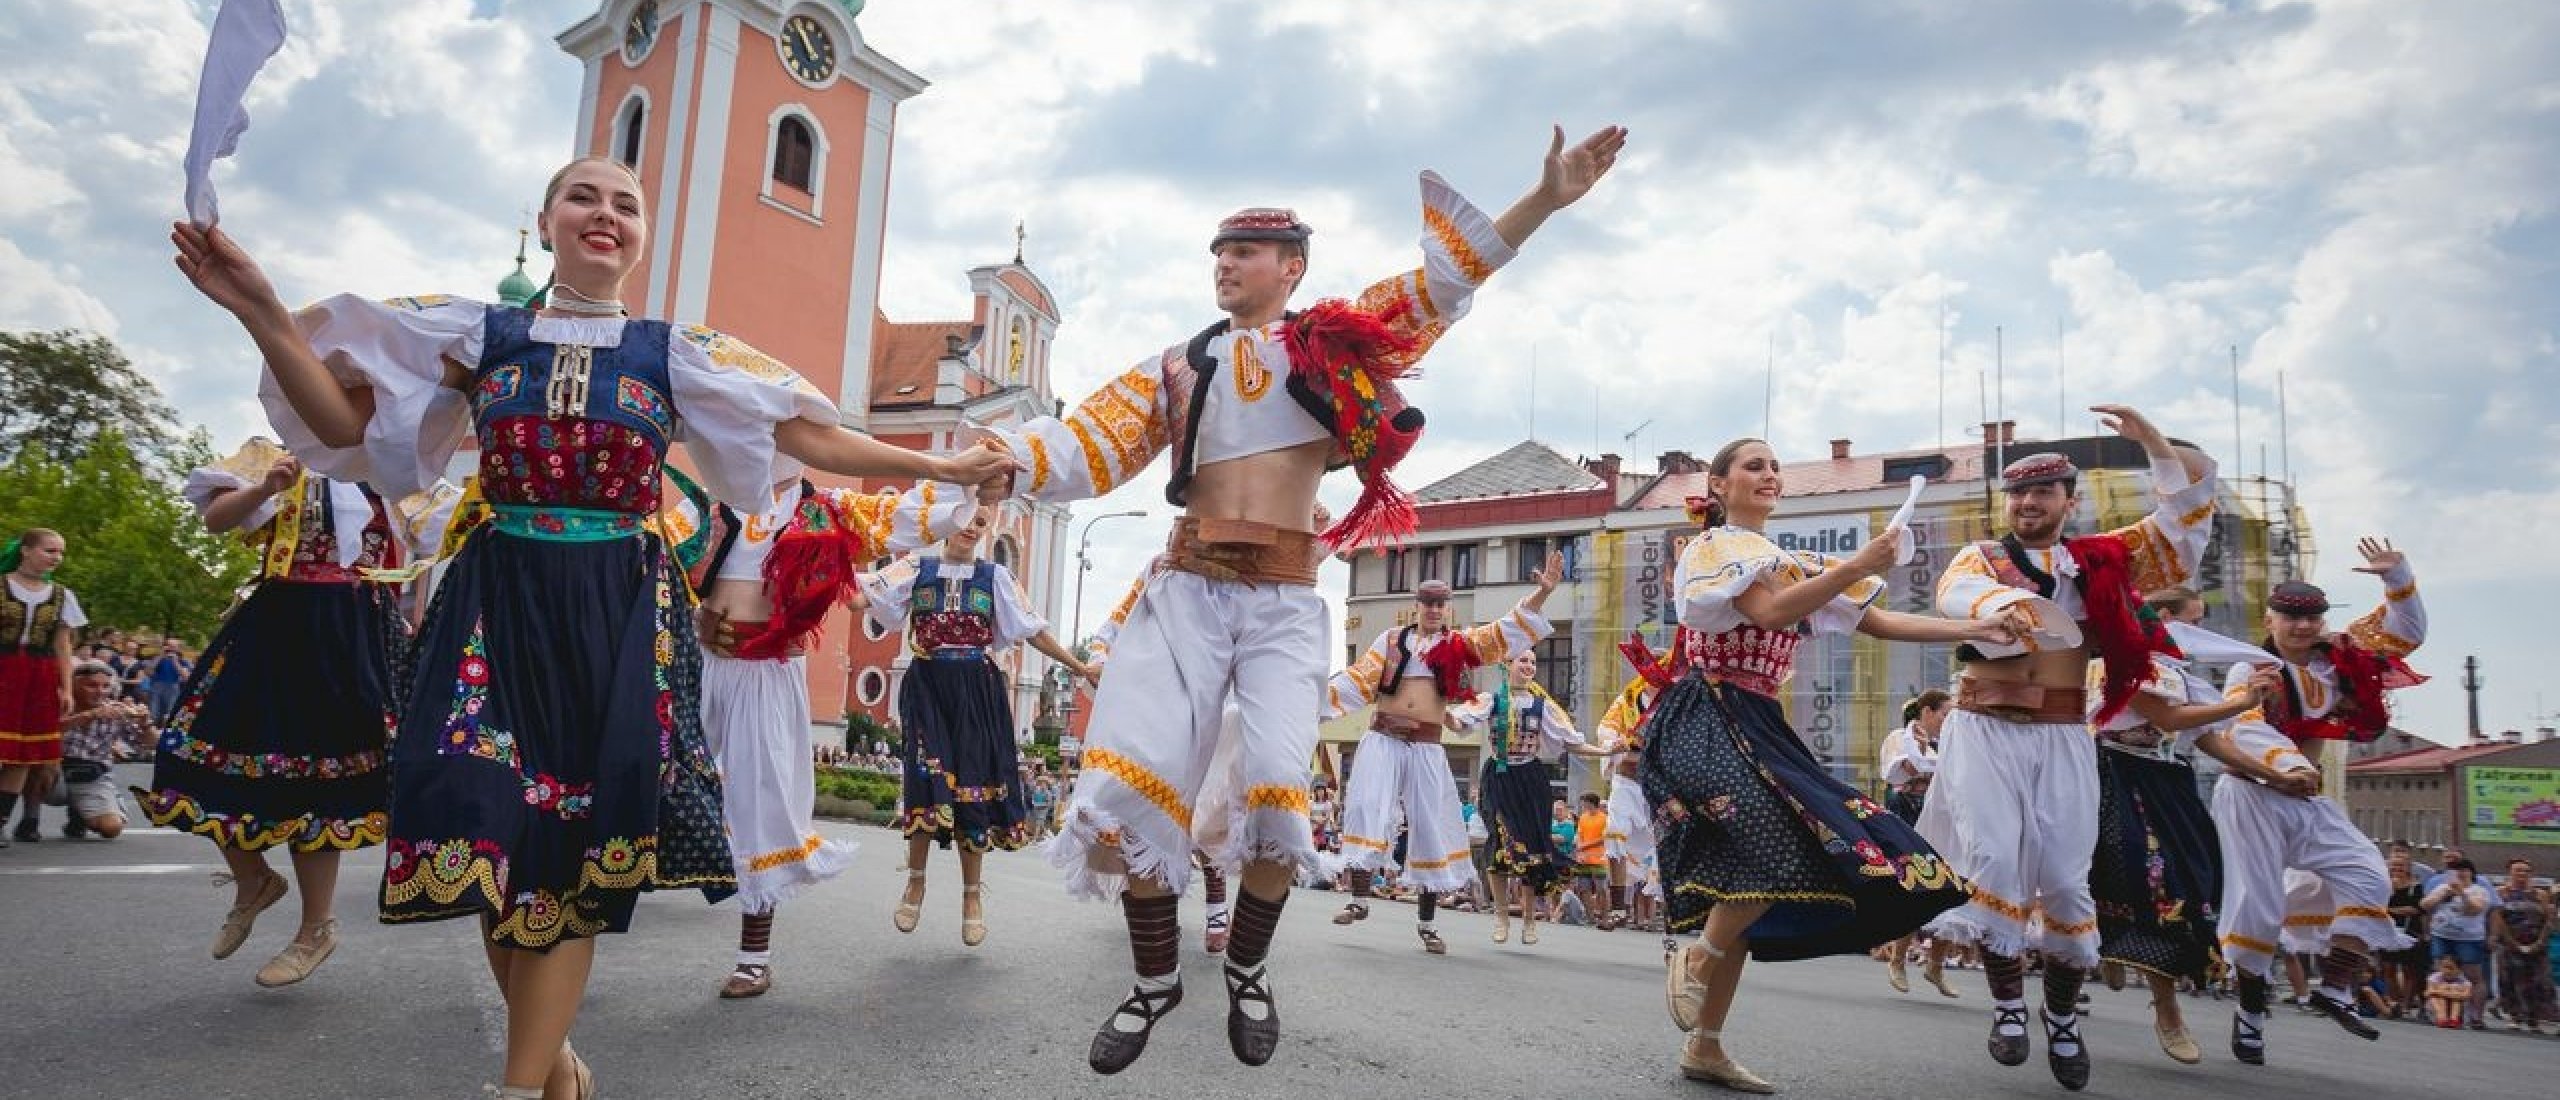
{"points": [[110, 992]]}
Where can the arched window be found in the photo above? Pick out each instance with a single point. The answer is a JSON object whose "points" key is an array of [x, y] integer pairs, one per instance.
{"points": [[628, 135], [1005, 551], [794, 153]]}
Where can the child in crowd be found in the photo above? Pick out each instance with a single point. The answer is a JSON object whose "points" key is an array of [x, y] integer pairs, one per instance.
{"points": [[2447, 992]]}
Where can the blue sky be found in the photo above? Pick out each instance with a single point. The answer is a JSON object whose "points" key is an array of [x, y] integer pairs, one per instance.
{"points": [[2355, 193]]}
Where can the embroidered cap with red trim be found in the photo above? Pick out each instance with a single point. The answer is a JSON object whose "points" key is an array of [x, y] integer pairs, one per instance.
{"points": [[2041, 468], [2298, 598], [1261, 223]]}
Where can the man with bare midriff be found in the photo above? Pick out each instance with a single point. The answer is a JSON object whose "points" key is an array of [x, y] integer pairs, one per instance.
{"points": [[1256, 409]]}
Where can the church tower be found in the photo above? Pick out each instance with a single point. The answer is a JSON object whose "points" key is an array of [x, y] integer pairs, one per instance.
{"points": [[761, 130]]}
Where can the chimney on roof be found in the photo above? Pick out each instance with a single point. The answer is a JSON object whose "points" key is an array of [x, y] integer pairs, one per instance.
{"points": [[1839, 450], [1604, 467], [1679, 462], [2511, 737], [1999, 432]]}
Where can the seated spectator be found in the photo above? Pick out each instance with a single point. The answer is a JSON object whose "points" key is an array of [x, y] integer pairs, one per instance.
{"points": [[2448, 993], [99, 731]]}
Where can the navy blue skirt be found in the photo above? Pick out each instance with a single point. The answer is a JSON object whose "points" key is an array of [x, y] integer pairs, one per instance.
{"points": [[551, 763], [2157, 873], [963, 775], [1518, 814], [1764, 822], [277, 738]]}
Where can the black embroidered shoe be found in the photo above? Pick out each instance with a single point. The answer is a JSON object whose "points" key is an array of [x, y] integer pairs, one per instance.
{"points": [[1253, 1038], [2070, 1070], [2009, 1050], [2345, 1016], [1114, 1049], [2248, 1041]]}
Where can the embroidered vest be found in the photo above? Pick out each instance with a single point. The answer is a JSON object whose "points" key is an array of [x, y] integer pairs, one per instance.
{"points": [[960, 614], [300, 543], [569, 426], [46, 616]]}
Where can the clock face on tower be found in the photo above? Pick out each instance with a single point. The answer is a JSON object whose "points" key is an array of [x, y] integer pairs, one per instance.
{"points": [[640, 31], [807, 50]]}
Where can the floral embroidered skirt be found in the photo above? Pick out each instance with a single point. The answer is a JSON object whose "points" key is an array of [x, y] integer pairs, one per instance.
{"points": [[1764, 821], [551, 762], [278, 737], [1517, 805], [30, 705], [963, 776], [2157, 873]]}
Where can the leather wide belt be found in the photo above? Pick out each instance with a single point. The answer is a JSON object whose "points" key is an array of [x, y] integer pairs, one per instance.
{"points": [[2019, 701], [1406, 729], [1240, 550], [721, 635]]}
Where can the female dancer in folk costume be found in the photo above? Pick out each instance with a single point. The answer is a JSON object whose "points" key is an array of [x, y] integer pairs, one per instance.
{"points": [[1256, 408], [36, 623], [550, 761], [963, 775], [278, 739], [2157, 873], [1400, 773], [2331, 688], [2015, 803], [1908, 762], [1760, 845], [1526, 733], [767, 579]]}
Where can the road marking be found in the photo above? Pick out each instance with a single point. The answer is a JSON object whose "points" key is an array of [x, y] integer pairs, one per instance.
{"points": [[125, 869]]}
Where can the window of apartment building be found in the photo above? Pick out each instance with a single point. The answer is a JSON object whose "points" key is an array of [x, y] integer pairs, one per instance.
{"points": [[1432, 558], [1462, 566], [1555, 663], [1399, 571], [1527, 557]]}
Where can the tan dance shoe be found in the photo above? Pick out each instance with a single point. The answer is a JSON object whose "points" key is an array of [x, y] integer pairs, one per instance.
{"points": [[241, 918], [2178, 1045], [910, 912], [1897, 973], [299, 959], [1725, 1072], [973, 930]]}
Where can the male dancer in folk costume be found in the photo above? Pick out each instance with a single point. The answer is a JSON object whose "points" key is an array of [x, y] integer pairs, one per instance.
{"points": [[767, 579], [2331, 689], [2015, 804], [1908, 760], [1400, 774], [1256, 408], [1214, 807]]}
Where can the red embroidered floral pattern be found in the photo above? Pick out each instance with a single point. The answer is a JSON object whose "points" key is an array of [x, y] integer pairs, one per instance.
{"points": [[550, 793], [1755, 660], [569, 463]]}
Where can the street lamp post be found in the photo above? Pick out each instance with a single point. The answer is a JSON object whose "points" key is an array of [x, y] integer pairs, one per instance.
{"points": [[1084, 564]]}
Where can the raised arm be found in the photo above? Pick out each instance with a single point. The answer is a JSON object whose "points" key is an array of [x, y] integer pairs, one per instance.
{"points": [[1356, 685], [2165, 546], [1567, 175], [1525, 626], [2399, 626], [222, 271], [229, 506]]}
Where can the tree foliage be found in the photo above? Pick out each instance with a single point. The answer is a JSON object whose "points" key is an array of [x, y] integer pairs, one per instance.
{"points": [[60, 391], [93, 451]]}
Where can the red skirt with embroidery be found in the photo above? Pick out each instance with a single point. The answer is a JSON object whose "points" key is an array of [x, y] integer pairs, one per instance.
{"points": [[30, 706]]}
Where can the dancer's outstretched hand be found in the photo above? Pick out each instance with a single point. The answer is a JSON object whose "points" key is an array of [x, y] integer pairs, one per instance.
{"points": [[1552, 575], [1571, 173], [2380, 556], [221, 269]]}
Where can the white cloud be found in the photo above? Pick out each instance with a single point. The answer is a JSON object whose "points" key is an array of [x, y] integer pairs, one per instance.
{"points": [[2353, 192]]}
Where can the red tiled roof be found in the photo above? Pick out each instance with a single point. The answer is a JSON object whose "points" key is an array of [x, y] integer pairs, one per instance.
{"points": [[1817, 477], [2427, 760], [905, 354]]}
